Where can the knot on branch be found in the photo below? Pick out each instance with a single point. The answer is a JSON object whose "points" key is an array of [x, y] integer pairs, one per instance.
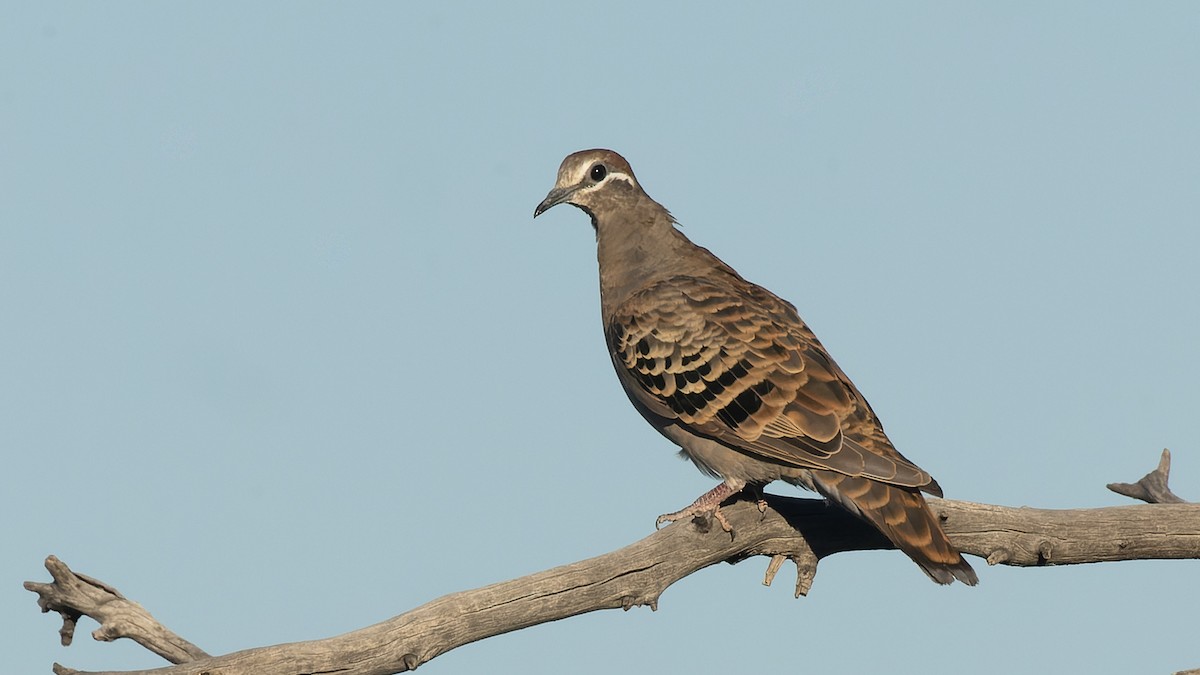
{"points": [[999, 555], [643, 600]]}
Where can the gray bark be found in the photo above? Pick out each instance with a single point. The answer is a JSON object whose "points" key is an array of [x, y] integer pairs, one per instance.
{"points": [[802, 530]]}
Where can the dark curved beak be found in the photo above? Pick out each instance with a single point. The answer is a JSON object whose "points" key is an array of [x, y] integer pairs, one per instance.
{"points": [[557, 196]]}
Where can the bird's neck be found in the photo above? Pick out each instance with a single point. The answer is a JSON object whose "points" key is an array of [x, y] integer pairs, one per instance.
{"points": [[639, 246]]}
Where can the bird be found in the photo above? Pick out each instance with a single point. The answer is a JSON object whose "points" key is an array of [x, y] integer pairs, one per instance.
{"points": [[730, 373]]}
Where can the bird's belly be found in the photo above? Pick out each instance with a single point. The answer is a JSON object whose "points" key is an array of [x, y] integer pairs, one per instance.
{"points": [[724, 462]]}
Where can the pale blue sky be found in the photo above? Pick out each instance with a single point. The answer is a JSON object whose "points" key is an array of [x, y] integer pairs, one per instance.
{"points": [[284, 353]]}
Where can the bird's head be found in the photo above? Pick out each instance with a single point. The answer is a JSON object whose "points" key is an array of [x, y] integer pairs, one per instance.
{"points": [[592, 180]]}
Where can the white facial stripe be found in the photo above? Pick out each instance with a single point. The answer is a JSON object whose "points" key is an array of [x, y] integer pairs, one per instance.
{"points": [[581, 175], [617, 175]]}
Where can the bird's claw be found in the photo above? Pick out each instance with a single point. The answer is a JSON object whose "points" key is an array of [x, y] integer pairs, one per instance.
{"points": [[708, 504], [695, 512]]}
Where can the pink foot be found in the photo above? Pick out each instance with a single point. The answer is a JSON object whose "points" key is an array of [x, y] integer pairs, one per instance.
{"points": [[708, 504]]}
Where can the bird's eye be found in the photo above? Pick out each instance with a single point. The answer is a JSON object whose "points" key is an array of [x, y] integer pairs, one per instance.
{"points": [[599, 172]]}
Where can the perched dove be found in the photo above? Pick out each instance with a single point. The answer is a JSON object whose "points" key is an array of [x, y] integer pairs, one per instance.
{"points": [[729, 372]]}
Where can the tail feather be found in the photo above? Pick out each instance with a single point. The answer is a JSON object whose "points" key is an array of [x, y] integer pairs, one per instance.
{"points": [[904, 517]]}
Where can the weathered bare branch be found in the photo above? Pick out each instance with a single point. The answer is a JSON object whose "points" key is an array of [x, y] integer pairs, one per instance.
{"points": [[1151, 488], [803, 530], [73, 595]]}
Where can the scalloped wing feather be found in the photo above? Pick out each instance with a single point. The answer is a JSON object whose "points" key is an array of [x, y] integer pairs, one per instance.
{"points": [[737, 364]]}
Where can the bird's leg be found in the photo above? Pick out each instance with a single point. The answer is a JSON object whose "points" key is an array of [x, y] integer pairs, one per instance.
{"points": [[707, 504], [762, 502]]}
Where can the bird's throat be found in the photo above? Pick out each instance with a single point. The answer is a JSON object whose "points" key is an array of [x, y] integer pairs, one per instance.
{"points": [[634, 251]]}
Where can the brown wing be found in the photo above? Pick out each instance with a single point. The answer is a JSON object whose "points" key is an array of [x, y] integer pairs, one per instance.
{"points": [[733, 362]]}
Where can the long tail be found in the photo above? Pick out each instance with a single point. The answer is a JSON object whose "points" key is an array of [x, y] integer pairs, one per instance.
{"points": [[902, 515]]}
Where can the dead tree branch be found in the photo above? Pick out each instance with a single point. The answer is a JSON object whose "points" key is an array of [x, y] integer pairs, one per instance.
{"points": [[1151, 488], [73, 595], [802, 530]]}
